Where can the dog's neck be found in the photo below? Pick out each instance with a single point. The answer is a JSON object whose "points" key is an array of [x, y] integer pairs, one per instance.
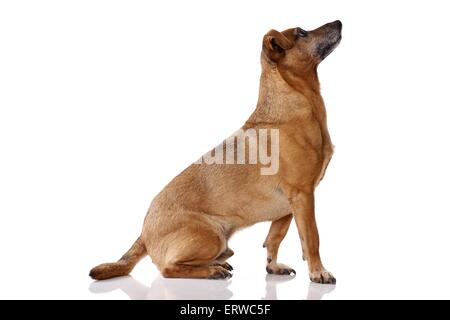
{"points": [[286, 97]]}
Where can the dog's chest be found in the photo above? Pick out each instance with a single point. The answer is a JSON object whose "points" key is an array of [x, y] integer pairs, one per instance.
{"points": [[273, 207], [305, 151]]}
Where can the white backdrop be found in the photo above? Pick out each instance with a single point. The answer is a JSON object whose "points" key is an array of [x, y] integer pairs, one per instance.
{"points": [[103, 102]]}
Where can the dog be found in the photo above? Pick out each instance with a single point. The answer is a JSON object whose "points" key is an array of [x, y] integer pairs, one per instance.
{"points": [[188, 224]]}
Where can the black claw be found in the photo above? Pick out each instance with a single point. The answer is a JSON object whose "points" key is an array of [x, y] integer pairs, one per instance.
{"points": [[228, 266]]}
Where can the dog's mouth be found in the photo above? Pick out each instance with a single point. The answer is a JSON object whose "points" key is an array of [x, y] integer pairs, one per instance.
{"points": [[326, 47]]}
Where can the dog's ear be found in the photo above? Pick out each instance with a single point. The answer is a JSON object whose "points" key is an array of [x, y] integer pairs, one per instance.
{"points": [[275, 44]]}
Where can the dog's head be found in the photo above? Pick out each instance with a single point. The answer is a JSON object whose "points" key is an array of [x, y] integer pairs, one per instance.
{"points": [[300, 50]]}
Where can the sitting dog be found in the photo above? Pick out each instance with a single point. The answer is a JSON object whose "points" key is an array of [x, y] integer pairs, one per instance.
{"points": [[188, 224]]}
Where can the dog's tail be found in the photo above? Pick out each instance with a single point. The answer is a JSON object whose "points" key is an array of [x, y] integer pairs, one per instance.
{"points": [[121, 267]]}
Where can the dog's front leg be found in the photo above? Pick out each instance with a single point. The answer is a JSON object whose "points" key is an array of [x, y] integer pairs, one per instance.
{"points": [[277, 232], [302, 204]]}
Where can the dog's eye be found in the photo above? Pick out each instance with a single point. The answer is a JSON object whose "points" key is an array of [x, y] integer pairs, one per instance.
{"points": [[300, 33]]}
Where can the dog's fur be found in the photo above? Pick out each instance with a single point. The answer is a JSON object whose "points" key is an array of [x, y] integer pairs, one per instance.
{"points": [[188, 225]]}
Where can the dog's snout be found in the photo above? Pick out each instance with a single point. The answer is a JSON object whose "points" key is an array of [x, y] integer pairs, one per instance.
{"points": [[328, 38], [337, 24]]}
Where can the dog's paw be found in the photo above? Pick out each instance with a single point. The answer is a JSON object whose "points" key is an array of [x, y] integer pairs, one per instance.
{"points": [[278, 268], [219, 272], [322, 277]]}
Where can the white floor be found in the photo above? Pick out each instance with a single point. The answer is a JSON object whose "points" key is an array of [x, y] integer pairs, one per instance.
{"points": [[258, 285], [271, 287], [47, 272]]}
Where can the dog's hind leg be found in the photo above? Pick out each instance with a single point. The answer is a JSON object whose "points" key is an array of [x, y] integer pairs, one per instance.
{"points": [[193, 253], [277, 232]]}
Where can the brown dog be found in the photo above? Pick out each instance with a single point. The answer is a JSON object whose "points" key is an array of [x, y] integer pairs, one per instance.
{"points": [[188, 225]]}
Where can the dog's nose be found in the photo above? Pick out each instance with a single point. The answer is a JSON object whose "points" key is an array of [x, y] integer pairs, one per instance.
{"points": [[337, 24]]}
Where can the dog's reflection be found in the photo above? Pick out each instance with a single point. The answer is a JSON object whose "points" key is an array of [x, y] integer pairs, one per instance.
{"points": [[315, 291], [190, 289], [166, 289]]}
